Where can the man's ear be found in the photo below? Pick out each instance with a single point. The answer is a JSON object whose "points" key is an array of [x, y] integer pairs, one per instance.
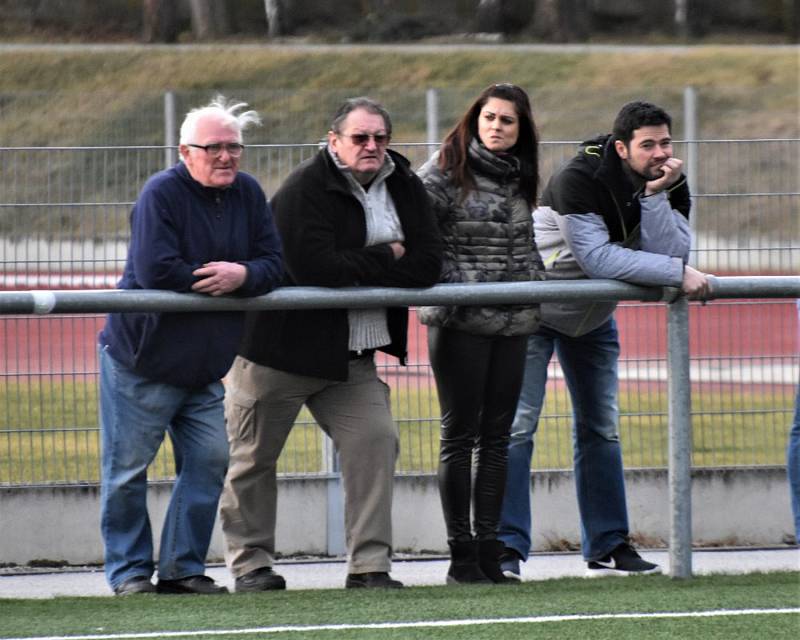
{"points": [[622, 150]]}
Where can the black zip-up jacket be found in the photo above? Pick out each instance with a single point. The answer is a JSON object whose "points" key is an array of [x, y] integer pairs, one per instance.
{"points": [[323, 230]]}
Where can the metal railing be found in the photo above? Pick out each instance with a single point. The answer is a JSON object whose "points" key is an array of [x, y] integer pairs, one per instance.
{"points": [[678, 365]]}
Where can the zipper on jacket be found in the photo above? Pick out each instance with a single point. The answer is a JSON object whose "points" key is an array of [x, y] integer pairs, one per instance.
{"points": [[620, 216]]}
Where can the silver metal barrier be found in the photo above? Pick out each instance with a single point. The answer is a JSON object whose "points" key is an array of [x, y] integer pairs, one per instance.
{"points": [[679, 388]]}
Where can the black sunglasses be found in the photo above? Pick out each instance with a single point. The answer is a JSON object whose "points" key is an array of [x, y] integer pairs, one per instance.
{"points": [[361, 139]]}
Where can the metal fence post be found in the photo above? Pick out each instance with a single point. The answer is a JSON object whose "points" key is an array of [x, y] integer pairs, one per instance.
{"points": [[681, 19], [680, 439], [690, 136], [432, 118], [169, 129], [334, 536]]}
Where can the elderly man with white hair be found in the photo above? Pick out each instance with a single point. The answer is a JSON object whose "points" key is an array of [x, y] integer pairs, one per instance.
{"points": [[204, 227]]}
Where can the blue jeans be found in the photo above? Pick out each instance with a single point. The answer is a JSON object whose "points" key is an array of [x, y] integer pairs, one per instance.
{"points": [[589, 363], [135, 413], [793, 465]]}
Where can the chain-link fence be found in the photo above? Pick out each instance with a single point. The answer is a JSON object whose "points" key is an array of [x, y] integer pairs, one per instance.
{"points": [[63, 224]]}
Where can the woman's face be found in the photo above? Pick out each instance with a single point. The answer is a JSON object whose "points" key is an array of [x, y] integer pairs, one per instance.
{"points": [[498, 125]]}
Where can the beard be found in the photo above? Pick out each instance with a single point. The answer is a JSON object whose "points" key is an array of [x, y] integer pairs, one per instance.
{"points": [[650, 174]]}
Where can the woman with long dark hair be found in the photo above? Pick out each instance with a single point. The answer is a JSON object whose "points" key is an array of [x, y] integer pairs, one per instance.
{"points": [[483, 184]]}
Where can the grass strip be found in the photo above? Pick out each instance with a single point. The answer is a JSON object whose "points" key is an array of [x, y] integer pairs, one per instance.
{"points": [[569, 596]]}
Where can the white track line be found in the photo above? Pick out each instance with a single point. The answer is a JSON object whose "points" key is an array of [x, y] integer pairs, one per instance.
{"points": [[716, 613]]}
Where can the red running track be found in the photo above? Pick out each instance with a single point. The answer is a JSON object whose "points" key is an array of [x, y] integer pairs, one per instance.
{"points": [[762, 328]]}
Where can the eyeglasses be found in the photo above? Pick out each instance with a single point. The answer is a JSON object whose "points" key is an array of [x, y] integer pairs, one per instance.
{"points": [[360, 139], [234, 149]]}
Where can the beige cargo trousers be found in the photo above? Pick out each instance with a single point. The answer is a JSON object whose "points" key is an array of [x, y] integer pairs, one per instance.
{"points": [[261, 406]]}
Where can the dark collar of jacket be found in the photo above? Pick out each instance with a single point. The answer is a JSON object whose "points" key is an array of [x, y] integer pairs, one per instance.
{"points": [[598, 161], [601, 157]]}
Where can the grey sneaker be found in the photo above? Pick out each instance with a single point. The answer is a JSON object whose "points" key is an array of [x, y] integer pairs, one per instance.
{"points": [[261, 579], [622, 561]]}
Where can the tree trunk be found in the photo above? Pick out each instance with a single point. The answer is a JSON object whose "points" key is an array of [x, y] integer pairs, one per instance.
{"points": [[160, 21], [489, 16], [562, 20], [210, 18], [277, 19], [791, 20], [698, 22], [574, 20]]}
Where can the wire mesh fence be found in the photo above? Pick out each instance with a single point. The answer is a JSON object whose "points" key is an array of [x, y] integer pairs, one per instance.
{"points": [[291, 115], [64, 224]]}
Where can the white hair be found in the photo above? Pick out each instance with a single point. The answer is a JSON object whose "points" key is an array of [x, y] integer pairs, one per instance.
{"points": [[222, 109]]}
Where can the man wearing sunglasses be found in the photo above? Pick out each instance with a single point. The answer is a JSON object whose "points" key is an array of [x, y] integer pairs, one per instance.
{"points": [[354, 215], [203, 227]]}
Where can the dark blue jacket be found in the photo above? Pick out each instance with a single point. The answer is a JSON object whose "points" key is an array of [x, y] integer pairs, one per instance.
{"points": [[177, 225]]}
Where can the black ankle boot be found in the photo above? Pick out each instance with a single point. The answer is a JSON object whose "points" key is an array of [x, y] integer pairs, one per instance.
{"points": [[464, 567], [489, 552]]}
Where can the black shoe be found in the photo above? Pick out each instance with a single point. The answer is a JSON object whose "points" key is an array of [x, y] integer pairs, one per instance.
{"points": [[464, 567], [261, 579], [192, 584], [622, 561], [489, 552], [373, 580], [136, 584]]}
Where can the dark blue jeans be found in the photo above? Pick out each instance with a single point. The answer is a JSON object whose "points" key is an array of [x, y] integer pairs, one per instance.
{"points": [[589, 363], [793, 465], [135, 413]]}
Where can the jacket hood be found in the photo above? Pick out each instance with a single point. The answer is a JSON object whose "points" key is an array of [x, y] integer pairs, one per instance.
{"points": [[596, 153], [602, 161]]}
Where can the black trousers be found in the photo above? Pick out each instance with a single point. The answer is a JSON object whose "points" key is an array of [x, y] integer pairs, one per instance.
{"points": [[479, 380]]}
